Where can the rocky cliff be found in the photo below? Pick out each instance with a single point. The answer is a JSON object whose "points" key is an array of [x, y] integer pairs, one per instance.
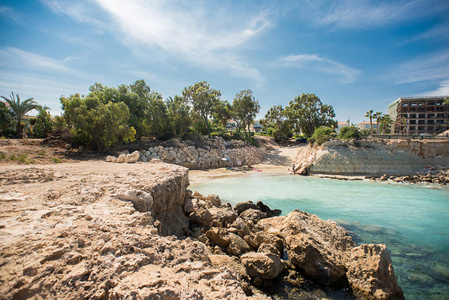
{"points": [[373, 157]]}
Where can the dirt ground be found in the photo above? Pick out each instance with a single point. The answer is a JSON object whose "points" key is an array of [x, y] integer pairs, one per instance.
{"points": [[34, 152]]}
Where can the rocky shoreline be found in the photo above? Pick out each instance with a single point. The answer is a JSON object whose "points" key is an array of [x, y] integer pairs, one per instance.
{"points": [[114, 231]]}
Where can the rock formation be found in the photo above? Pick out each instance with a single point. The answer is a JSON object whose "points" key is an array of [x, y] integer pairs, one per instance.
{"points": [[218, 153], [373, 157]]}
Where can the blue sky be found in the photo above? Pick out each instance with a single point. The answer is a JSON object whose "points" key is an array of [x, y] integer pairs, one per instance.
{"points": [[355, 55]]}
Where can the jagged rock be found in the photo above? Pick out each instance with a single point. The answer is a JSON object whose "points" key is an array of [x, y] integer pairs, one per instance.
{"points": [[201, 216], [270, 213], [243, 227], [371, 275], [233, 243], [263, 265], [221, 217], [121, 158], [268, 248], [133, 157], [320, 248], [242, 206], [252, 215], [141, 200], [214, 199]]}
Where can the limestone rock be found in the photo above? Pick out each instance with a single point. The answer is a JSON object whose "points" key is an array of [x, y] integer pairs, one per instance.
{"points": [[242, 206], [201, 216], [233, 243], [221, 217], [371, 275], [110, 158], [214, 199], [133, 157], [253, 215], [320, 248], [263, 265], [141, 200], [121, 158]]}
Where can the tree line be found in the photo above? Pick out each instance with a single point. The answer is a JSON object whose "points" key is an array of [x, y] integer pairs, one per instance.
{"points": [[109, 116]]}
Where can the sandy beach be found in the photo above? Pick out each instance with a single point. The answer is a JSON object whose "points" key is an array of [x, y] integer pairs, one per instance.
{"points": [[279, 160]]}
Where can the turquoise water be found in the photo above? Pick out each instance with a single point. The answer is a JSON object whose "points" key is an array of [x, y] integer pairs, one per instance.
{"points": [[412, 220]]}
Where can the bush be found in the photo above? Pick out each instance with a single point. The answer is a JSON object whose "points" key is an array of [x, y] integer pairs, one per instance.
{"points": [[321, 135], [349, 133]]}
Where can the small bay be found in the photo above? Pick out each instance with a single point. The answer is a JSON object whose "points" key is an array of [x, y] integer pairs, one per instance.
{"points": [[412, 220]]}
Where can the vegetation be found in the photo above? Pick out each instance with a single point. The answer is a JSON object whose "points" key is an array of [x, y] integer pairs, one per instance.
{"points": [[20, 108], [369, 114], [245, 108], [349, 133], [322, 134], [377, 116], [307, 113], [386, 122], [277, 123]]}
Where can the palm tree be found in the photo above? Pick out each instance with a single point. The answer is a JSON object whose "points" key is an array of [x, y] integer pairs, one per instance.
{"points": [[446, 100], [386, 121], [404, 125], [369, 114], [378, 116], [20, 109]]}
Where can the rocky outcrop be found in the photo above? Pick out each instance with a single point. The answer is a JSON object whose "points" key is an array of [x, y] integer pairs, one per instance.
{"points": [[322, 250], [218, 153], [93, 232], [373, 157]]}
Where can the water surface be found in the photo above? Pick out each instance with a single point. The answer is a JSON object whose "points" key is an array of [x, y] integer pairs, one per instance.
{"points": [[412, 220]]}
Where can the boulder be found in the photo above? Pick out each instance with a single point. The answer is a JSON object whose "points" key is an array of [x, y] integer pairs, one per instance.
{"points": [[234, 244], [214, 199], [121, 158], [242, 206], [133, 157], [109, 158], [371, 275], [253, 215], [243, 227], [201, 216], [322, 249], [270, 213], [263, 265], [221, 217]]}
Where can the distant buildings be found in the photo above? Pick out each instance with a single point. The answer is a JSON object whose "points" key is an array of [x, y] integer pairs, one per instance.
{"points": [[366, 125], [419, 115], [340, 125]]}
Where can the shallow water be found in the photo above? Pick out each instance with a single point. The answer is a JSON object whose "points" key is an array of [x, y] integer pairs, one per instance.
{"points": [[412, 220]]}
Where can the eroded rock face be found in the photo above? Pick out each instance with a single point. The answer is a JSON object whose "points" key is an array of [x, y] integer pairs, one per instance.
{"points": [[371, 274], [372, 157], [263, 265], [93, 234]]}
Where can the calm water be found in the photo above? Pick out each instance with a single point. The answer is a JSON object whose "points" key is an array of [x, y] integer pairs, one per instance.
{"points": [[412, 220]]}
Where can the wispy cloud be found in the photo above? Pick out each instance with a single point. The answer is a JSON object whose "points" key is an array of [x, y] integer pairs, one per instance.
{"points": [[442, 90], [434, 66], [438, 32], [313, 61], [209, 37], [16, 58], [367, 13], [10, 14]]}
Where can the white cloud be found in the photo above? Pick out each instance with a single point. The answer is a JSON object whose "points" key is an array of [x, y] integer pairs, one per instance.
{"points": [[442, 90], [367, 13], [9, 13], [438, 32], [323, 64], [430, 67], [209, 37], [15, 58]]}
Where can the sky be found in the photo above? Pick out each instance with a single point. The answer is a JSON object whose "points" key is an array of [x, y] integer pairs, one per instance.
{"points": [[354, 55]]}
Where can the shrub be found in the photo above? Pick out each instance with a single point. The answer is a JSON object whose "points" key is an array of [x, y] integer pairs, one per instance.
{"points": [[321, 135], [349, 133]]}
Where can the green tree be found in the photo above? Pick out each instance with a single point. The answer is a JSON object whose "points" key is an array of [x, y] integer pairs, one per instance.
{"points": [[322, 134], [446, 100], [156, 119], [96, 125], [369, 114], [43, 124], [179, 116], [223, 112], [245, 108], [5, 118], [386, 122], [20, 109], [349, 133], [277, 119], [203, 99], [307, 112], [377, 116]]}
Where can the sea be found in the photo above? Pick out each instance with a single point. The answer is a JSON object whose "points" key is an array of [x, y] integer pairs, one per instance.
{"points": [[412, 220]]}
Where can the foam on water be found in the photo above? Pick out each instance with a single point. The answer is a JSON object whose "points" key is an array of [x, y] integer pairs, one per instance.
{"points": [[412, 220]]}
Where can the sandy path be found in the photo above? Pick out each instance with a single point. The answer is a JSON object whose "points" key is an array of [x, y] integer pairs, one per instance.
{"points": [[279, 160]]}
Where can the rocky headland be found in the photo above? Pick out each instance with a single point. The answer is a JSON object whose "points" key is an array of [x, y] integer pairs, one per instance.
{"points": [[397, 160], [113, 231]]}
